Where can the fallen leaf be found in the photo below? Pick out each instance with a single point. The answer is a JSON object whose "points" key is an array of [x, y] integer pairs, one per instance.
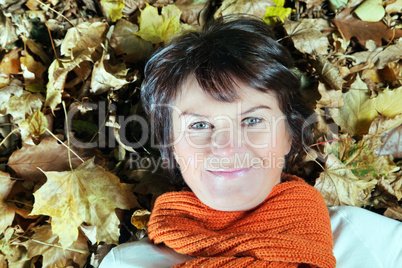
{"points": [[306, 37], [7, 212], [15, 88], [106, 77], [48, 155], [140, 218], [19, 107], [83, 39], [10, 64], [394, 212], [160, 28], [329, 73], [392, 140], [87, 194], [45, 243], [329, 98], [339, 186], [349, 26], [393, 6], [392, 185], [370, 10], [8, 34], [359, 110], [190, 10], [126, 43], [35, 125], [311, 3], [112, 9], [251, 7]]}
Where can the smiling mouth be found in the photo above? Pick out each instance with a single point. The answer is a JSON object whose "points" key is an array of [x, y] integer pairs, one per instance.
{"points": [[230, 173]]}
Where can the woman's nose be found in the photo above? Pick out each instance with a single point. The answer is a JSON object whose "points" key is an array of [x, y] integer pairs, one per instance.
{"points": [[223, 143]]}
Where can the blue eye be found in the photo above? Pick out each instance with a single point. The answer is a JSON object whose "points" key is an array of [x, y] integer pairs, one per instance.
{"points": [[251, 121], [200, 125]]}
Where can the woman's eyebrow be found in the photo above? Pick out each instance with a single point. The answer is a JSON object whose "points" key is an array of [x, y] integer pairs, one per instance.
{"points": [[253, 109], [191, 113]]}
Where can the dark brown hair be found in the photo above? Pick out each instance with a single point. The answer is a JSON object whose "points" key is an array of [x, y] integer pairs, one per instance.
{"points": [[241, 49]]}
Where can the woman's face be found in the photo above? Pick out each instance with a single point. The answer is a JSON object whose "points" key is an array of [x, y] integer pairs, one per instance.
{"points": [[231, 155]]}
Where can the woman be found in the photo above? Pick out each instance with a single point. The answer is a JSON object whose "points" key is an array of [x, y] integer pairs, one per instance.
{"points": [[227, 112]]}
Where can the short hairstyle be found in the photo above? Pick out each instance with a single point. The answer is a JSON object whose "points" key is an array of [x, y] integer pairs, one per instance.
{"points": [[242, 49]]}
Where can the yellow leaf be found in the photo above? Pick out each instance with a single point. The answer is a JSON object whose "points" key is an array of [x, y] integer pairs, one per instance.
{"points": [[35, 125], [140, 218], [358, 111], [113, 9], [159, 28], [87, 194], [45, 243], [6, 211], [370, 10]]}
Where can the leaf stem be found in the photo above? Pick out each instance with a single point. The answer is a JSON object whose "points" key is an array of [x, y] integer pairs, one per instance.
{"points": [[53, 245], [54, 136]]}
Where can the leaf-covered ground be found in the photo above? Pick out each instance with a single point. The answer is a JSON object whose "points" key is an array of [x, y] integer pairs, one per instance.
{"points": [[69, 191]]}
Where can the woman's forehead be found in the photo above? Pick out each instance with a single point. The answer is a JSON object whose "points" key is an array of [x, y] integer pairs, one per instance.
{"points": [[192, 98]]}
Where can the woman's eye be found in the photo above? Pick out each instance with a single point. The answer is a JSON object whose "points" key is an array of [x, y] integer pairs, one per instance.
{"points": [[251, 121], [200, 125]]}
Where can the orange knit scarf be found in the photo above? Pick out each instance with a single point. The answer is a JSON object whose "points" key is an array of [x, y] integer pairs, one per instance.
{"points": [[290, 228]]}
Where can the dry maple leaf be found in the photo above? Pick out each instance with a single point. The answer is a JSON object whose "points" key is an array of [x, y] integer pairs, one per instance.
{"points": [[6, 211], [359, 110], [87, 194], [10, 64], [252, 7], [45, 243], [85, 37], [350, 26], [22, 106], [339, 186], [105, 76], [48, 155]]}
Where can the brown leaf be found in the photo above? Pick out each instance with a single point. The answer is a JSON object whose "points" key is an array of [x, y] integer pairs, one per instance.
{"points": [[251, 7], [350, 26], [329, 98], [329, 73], [190, 10], [6, 211], [394, 212], [48, 155], [306, 36], [45, 243], [10, 64]]}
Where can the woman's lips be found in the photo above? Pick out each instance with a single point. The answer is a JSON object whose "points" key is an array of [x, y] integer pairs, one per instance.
{"points": [[230, 173]]}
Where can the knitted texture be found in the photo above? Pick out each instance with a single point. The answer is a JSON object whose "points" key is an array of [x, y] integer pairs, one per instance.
{"points": [[291, 227]]}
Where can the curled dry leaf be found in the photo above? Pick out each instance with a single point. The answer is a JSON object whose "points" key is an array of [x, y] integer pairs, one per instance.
{"points": [[329, 98], [140, 218], [87, 194], [85, 37], [48, 155], [307, 38], [394, 212], [35, 125], [15, 88], [329, 73], [191, 10], [6, 210], [8, 34], [45, 243], [253, 7], [392, 140], [19, 107], [106, 76]]}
